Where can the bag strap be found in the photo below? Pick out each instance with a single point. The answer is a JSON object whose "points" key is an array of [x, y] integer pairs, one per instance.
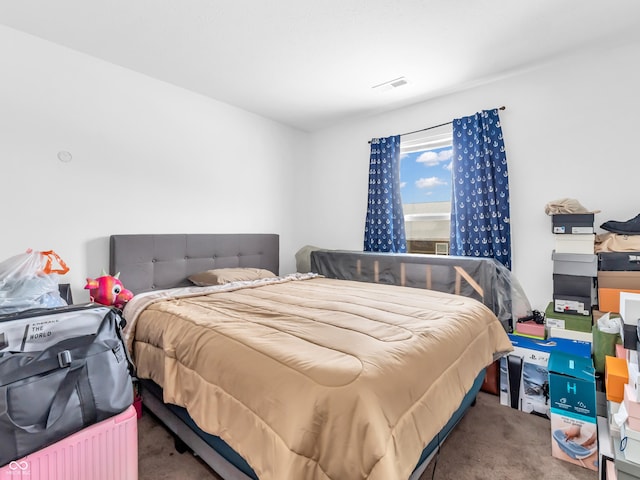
{"points": [[51, 256], [59, 404], [62, 397], [62, 360], [119, 326]]}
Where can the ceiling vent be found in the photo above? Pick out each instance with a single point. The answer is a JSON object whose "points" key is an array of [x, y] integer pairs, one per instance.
{"points": [[391, 84]]}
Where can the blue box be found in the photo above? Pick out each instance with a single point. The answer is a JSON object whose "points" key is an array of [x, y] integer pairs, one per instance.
{"points": [[524, 375], [572, 394]]}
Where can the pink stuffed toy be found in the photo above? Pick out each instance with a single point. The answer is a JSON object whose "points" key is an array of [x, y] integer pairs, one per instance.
{"points": [[108, 290]]}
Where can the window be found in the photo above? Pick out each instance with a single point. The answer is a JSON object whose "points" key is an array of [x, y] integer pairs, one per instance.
{"points": [[425, 183]]}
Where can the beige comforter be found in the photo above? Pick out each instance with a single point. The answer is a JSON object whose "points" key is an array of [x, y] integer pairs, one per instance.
{"points": [[314, 378]]}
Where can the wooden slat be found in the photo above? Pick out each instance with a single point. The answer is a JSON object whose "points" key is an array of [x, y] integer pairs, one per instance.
{"points": [[460, 272]]}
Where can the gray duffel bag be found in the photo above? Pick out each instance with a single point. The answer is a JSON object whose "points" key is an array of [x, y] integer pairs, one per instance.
{"points": [[49, 394]]}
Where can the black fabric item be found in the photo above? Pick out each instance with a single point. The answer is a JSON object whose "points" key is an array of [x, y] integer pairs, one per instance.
{"points": [[630, 227], [65, 293]]}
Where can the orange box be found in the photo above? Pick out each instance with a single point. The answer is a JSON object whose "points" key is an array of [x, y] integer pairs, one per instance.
{"points": [[609, 298], [611, 283], [616, 376]]}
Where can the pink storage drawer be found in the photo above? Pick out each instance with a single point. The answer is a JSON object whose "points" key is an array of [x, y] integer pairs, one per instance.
{"points": [[107, 450]]}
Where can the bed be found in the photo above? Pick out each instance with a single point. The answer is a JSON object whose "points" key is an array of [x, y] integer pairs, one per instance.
{"points": [[298, 376]]}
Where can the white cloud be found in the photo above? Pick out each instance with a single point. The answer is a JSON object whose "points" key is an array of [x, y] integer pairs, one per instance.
{"points": [[445, 155], [431, 158], [403, 184], [448, 166], [429, 182], [428, 158]]}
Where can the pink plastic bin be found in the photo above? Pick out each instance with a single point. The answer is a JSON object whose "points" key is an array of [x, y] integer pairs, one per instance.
{"points": [[105, 451]]}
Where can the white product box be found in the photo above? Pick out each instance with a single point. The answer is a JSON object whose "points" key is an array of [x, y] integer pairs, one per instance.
{"points": [[575, 243], [630, 443]]}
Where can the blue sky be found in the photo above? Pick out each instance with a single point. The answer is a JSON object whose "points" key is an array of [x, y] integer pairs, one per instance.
{"points": [[426, 176]]}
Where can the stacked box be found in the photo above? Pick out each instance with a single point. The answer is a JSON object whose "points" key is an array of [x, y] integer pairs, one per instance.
{"points": [[575, 243], [581, 264], [530, 329], [578, 323], [629, 308], [524, 372], [572, 393], [616, 376], [632, 407], [574, 294], [619, 261], [575, 266], [617, 272], [572, 223], [612, 283]]}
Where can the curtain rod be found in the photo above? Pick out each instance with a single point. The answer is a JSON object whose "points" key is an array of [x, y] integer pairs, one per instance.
{"points": [[436, 126]]}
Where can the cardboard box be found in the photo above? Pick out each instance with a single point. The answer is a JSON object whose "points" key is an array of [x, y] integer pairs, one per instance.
{"points": [[556, 332], [634, 376], [611, 284], [609, 298], [582, 264], [618, 279], [612, 409], [625, 261], [621, 352], [530, 329], [632, 445], [572, 304], [630, 307], [575, 244], [572, 223], [524, 372], [632, 406], [580, 323], [616, 375], [575, 286], [572, 392]]}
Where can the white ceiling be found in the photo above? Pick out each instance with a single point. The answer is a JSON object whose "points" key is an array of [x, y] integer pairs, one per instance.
{"points": [[311, 64]]}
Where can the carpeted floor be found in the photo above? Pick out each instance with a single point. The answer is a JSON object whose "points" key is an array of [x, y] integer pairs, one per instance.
{"points": [[491, 442]]}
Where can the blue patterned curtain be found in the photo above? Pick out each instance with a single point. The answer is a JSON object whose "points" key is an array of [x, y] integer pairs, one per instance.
{"points": [[480, 195], [384, 227]]}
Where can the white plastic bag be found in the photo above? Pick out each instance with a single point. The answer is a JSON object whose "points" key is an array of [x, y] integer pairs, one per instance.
{"points": [[607, 324], [29, 280]]}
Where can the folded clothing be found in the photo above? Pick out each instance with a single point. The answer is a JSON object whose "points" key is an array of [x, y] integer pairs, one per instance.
{"points": [[615, 242]]}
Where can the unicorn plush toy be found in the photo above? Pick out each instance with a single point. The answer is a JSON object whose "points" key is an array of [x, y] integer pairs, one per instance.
{"points": [[108, 290]]}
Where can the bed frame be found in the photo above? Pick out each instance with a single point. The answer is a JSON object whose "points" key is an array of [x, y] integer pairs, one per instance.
{"points": [[148, 262]]}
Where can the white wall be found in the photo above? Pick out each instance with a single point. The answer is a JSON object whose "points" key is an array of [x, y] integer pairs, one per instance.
{"points": [[148, 157], [570, 131]]}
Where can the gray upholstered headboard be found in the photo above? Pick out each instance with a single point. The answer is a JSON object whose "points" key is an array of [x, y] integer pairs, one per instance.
{"points": [[149, 262]]}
